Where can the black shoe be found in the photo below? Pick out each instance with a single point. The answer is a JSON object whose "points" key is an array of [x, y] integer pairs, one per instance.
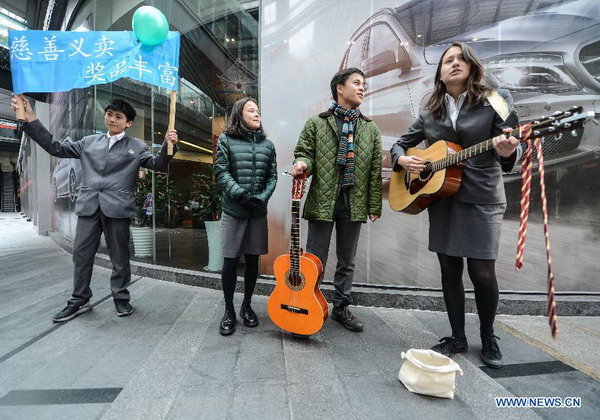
{"points": [[490, 352], [227, 323], [71, 311], [123, 307], [451, 345], [249, 316], [345, 317]]}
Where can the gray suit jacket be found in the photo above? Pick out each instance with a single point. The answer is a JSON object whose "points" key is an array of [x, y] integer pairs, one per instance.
{"points": [[482, 175], [108, 176]]}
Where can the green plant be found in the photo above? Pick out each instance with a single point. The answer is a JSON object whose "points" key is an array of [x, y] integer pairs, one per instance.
{"points": [[208, 196], [165, 196]]}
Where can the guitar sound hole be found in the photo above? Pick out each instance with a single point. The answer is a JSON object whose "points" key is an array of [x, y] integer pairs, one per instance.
{"points": [[294, 281], [425, 174]]}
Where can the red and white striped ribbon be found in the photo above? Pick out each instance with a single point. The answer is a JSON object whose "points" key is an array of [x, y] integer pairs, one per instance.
{"points": [[526, 175]]}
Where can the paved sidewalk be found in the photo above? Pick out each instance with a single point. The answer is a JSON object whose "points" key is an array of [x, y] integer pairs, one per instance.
{"points": [[167, 360]]}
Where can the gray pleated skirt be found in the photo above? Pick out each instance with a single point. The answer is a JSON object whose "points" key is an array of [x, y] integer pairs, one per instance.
{"points": [[464, 229], [244, 236]]}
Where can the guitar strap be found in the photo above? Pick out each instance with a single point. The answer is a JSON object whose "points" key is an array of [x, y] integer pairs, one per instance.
{"points": [[498, 103]]}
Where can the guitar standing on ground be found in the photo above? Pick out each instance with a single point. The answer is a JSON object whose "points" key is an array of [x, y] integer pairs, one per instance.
{"points": [[297, 304]]}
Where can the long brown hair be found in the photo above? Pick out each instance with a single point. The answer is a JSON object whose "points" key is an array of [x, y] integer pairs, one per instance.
{"points": [[476, 87]]}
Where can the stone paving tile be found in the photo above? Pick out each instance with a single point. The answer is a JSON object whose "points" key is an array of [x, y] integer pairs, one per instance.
{"points": [[172, 363], [566, 384], [54, 412]]}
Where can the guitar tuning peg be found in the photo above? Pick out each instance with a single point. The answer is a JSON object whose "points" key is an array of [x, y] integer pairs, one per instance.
{"points": [[551, 118], [536, 132], [551, 129], [556, 113], [568, 114], [574, 133], [566, 125]]}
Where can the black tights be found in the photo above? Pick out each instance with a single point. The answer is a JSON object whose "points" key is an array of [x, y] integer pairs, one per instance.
{"points": [[229, 278], [483, 276]]}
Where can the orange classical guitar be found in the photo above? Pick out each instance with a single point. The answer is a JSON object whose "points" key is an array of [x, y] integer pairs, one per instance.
{"points": [[297, 304]]}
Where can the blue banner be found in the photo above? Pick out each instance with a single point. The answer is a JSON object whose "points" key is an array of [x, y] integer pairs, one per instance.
{"points": [[57, 61]]}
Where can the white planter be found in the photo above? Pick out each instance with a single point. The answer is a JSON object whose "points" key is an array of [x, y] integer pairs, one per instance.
{"points": [[215, 255], [142, 241]]}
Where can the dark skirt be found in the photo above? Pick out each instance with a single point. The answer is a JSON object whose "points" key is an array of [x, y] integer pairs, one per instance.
{"points": [[244, 236], [465, 230]]}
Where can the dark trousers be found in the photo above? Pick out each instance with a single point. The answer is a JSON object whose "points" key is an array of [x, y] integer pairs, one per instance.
{"points": [[346, 242], [87, 240]]}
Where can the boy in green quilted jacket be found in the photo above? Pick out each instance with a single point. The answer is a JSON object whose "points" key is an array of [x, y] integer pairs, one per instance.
{"points": [[341, 149]]}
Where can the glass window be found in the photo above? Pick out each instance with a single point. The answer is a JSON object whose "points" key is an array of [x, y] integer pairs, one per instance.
{"points": [[385, 52], [354, 56], [218, 65]]}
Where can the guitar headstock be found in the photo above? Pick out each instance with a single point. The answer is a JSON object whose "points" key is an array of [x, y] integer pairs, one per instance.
{"points": [[560, 121], [298, 185]]}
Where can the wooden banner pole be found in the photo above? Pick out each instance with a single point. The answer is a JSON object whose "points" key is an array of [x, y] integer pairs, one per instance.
{"points": [[172, 108], [21, 110]]}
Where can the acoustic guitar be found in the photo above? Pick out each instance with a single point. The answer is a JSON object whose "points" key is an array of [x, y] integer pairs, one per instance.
{"points": [[297, 304], [413, 193]]}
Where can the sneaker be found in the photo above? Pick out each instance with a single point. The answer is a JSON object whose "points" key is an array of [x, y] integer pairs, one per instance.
{"points": [[249, 316], [490, 352], [451, 345], [345, 317], [71, 311], [123, 307], [227, 325]]}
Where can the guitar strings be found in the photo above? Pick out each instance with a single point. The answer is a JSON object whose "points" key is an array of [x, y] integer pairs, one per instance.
{"points": [[484, 146]]}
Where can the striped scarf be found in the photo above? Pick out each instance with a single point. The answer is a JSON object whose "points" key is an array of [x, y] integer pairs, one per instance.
{"points": [[345, 156]]}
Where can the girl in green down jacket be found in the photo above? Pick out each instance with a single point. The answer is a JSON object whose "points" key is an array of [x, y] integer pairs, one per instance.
{"points": [[246, 171]]}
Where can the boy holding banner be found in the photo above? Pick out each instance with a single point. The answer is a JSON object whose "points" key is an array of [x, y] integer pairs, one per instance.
{"points": [[110, 163]]}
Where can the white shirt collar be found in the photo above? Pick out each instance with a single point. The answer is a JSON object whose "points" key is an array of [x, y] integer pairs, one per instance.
{"points": [[459, 102], [117, 137], [112, 140], [453, 107]]}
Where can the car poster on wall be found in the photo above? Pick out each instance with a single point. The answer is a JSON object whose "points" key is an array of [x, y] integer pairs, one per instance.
{"points": [[546, 53]]}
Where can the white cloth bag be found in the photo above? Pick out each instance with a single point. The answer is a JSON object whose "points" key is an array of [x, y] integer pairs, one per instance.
{"points": [[428, 372]]}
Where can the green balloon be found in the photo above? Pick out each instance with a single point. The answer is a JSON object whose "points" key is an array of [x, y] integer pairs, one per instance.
{"points": [[149, 25]]}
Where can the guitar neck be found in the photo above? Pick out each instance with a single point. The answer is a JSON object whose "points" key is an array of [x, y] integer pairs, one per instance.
{"points": [[469, 152], [295, 243]]}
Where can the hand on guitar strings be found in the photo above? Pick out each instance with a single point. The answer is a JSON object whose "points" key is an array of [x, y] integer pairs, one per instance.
{"points": [[412, 164], [504, 146]]}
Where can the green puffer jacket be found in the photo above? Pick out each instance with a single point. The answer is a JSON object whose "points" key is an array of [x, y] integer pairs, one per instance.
{"points": [[245, 165], [318, 148]]}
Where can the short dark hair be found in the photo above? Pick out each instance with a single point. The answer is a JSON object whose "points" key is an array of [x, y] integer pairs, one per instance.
{"points": [[341, 77], [236, 127], [121, 106]]}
